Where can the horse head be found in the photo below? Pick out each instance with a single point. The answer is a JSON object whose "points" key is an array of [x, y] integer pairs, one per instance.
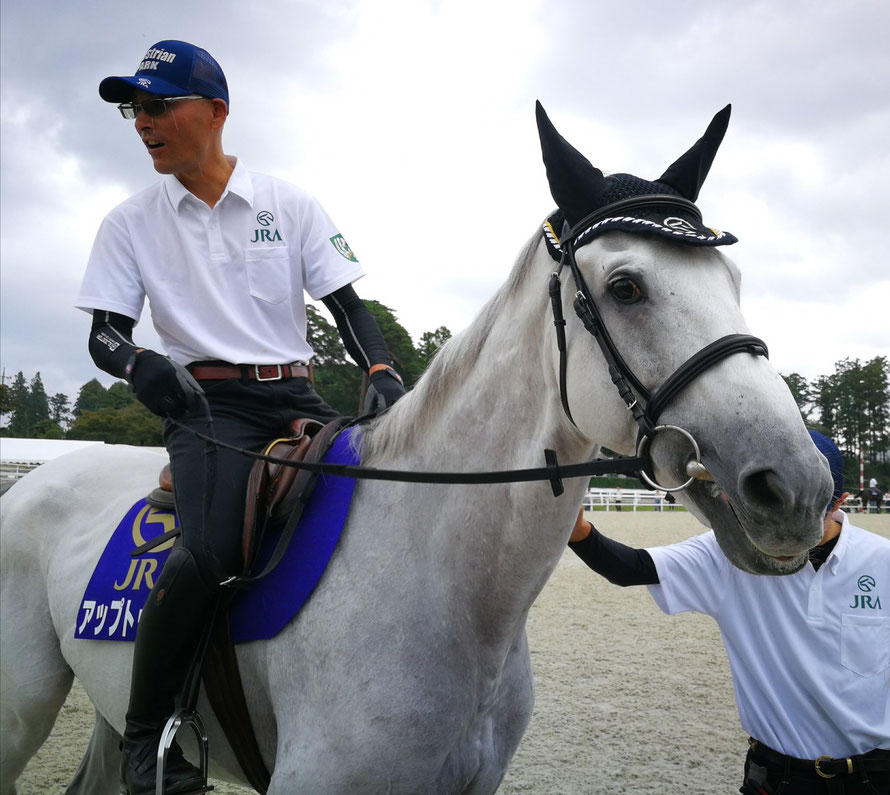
{"points": [[661, 300]]}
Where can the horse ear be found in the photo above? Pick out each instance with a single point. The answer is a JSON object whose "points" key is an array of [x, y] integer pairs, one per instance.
{"points": [[575, 184], [688, 173]]}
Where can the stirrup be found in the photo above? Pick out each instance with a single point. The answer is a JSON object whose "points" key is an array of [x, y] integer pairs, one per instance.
{"points": [[191, 718]]}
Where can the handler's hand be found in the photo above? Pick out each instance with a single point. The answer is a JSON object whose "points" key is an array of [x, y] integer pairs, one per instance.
{"points": [[581, 530]]}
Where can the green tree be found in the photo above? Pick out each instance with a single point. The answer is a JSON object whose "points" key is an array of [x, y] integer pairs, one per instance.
{"points": [[398, 341], [19, 423], [38, 400], [92, 397], [133, 424], [120, 395], [800, 390], [337, 380], [7, 401], [430, 342], [47, 429], [340, 385], [324, 339], [59, 409], [853, 406]]}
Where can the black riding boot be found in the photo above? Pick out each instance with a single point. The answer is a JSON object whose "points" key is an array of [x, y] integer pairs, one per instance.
{"points": [[167, 638]]}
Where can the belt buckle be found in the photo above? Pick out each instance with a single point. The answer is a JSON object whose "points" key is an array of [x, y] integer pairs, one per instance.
{"points": [[824, 758], [278, 377]]}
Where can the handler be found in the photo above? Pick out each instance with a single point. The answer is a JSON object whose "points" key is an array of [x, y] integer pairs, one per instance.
{"points": [[223, 256], [809, 652]]}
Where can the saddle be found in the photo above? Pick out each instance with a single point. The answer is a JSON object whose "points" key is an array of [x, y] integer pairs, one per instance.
{"points": [[275, 491]]}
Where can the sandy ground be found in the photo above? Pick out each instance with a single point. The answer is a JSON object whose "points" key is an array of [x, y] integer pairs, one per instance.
{"points": [[628, 701]]}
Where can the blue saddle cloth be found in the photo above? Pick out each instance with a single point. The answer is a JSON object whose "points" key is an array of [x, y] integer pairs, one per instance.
{"points": [[119, 586]]}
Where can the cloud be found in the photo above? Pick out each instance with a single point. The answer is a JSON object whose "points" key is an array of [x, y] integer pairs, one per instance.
{"points": [[413, 123]]}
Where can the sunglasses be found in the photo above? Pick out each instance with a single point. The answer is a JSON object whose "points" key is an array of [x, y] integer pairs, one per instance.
{"points": [[152, 107]]}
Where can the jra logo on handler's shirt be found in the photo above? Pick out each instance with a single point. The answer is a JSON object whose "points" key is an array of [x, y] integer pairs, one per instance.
{"points": [[865, 601], [265, 218]]}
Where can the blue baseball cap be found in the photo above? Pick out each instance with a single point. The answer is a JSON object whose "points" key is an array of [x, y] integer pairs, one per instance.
{"points": [[835, 462], [170, 68]]}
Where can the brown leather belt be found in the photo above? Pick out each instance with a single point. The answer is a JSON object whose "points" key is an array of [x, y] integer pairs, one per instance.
{"points": [[249, 372]]}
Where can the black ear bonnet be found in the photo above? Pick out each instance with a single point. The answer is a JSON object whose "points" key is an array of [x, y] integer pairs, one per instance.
{"points": [[591, 203]]}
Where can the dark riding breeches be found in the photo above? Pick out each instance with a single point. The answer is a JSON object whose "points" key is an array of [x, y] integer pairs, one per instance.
{"points": [[210, 483]]}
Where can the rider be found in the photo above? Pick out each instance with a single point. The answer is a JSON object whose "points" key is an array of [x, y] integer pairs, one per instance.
{"points": [[808, 651], [223, 255]]}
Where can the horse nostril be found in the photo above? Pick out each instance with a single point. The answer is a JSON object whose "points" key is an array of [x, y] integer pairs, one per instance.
{"points": [[767, 490]]}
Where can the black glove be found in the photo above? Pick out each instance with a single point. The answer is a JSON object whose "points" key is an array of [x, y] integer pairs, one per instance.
{"points": [[384, 389], [163, 386]]}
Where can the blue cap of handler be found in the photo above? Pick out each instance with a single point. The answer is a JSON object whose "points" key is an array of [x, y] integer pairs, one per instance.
{"points": [[170, 68], [835, 462]]}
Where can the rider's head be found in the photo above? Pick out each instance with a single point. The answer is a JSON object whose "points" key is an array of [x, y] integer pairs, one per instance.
{"points": [[170, 68]]}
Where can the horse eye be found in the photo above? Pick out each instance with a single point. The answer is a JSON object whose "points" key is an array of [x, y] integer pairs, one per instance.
{"points": [[626, 291]]}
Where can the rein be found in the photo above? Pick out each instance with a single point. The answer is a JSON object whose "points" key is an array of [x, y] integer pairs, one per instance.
{"points": [[554, 472]]}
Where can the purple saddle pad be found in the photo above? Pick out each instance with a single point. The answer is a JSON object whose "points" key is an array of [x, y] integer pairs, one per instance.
{"points": [[119, 586]]}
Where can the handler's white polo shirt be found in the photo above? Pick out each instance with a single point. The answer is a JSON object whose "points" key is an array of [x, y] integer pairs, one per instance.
{"points": [[224, 283], [809, 652]]}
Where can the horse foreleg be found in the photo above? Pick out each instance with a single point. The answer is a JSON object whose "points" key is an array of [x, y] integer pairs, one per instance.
{"points": [[99, 771]]}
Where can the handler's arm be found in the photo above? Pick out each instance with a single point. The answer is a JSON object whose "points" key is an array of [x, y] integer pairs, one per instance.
{"points": [[618, 563]]}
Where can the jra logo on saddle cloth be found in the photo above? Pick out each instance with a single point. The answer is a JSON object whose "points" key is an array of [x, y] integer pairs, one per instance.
{"points": [[117, 591]]}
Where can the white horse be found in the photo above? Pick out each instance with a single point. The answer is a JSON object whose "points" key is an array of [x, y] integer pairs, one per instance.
{"points": [[409, 669]]}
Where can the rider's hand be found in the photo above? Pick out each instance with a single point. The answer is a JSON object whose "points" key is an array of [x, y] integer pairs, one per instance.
{"points": [[165, 387], [384, 388]]}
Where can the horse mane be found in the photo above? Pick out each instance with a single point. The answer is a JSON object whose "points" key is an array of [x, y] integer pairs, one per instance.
{"points": [[449, 371]]}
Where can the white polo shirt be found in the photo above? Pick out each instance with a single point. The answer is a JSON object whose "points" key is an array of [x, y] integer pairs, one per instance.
{"points": [[809, 652], [224, 283]]}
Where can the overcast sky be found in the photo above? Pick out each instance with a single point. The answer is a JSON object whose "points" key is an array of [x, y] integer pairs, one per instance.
{"points": [[413, 123]]}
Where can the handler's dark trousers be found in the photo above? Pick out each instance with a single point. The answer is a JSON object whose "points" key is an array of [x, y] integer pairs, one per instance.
{"points": [[767, 772], [210, 492]]}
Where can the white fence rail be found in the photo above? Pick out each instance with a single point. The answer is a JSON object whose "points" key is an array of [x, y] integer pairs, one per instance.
{"points": [[642, 499], [619, 499]]}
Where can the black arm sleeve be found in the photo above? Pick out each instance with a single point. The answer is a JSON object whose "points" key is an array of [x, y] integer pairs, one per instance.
{"points": [[618, 563], [111, 343], [360, 333]]}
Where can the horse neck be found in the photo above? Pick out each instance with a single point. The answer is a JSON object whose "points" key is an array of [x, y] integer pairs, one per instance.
{"points": [[490, 401], [491, 390]]}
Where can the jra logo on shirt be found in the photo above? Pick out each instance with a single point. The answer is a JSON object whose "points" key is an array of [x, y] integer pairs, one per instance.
{"points": [[864, 600], [265, 218], [265, 236]]}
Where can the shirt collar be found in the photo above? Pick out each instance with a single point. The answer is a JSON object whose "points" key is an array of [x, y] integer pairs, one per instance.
{"points": [[834, 559], [239, 184]]}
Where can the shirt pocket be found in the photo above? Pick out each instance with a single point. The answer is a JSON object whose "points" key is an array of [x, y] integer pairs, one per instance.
{"points": [[865, 643], [268, 273]]}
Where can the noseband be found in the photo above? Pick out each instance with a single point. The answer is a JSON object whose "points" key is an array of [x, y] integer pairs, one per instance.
{"points": [[645, 406]]}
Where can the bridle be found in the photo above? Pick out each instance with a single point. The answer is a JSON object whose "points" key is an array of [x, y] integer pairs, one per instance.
{"points": [[644, 405], [630, 387]]}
